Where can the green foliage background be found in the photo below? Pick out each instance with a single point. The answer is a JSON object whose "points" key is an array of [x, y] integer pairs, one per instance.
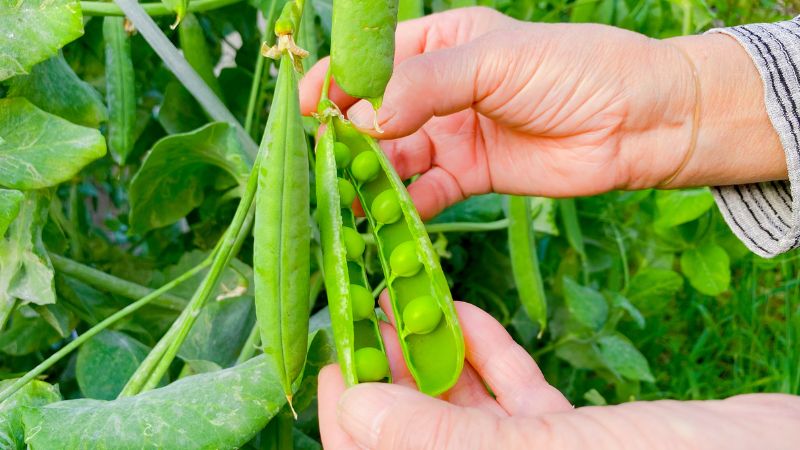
{"points": [[650, 295]]}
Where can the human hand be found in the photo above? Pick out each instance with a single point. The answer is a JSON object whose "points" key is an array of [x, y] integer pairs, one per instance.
{"points": [[526, 412], [480, 102]]}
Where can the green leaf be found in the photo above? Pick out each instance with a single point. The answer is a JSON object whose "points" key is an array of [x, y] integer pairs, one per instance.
{"points": [[220, 331], [10, 202], [26, 273], [708, 268], [106, 362], [179, 112], [544, 215], [54, 88], [622, 358], [678, 207], [35, 393], [586, 305], [480, 208], [651, 289], [27, 332], [619, 301], [221, 409], [34, 30], [39, 149], [177, 171]]}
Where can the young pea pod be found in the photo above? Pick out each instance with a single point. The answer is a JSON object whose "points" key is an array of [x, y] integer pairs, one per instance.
{"points": [[196, 51], [428, 329], [282, 233], [120, 89], [524, 262], [355, 325], [362, 46]]}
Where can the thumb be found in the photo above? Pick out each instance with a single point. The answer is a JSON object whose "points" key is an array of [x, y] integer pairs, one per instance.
{"points": [[394, 417], [437, 83]]}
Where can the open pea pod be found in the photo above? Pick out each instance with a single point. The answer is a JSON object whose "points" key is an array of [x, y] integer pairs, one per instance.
{"points": [[281, 253], [428, 329], [359, 347]]}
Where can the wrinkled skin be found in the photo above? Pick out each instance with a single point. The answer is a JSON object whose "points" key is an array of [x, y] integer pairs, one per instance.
{"points": [[482, 103]]}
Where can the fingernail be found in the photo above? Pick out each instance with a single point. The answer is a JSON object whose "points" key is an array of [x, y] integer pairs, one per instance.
{"points": [[361, 114], [362, 411]]}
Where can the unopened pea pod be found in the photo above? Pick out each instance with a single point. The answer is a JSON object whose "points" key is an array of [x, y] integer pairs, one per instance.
{"points": [[362, 46], [120, 89], [355, 325], [282, 234], [428, 329], [525, 262], [196, 51]]}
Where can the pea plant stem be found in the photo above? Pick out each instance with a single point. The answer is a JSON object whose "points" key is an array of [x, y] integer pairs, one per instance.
{"points": [[55, 357], [250, 345], [153, 9], [112, 284], [155, 365], [258, 73]]}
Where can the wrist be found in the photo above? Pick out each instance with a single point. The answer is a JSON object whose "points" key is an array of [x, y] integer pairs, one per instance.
{"points": [[735, 141]]}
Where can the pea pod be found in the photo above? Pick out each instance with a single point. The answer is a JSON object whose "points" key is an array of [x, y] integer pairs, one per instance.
{"points": [[196, 51], [120, 89], [353, 318], [282, 234], [433, 348], [362, 46], [524, 262]]}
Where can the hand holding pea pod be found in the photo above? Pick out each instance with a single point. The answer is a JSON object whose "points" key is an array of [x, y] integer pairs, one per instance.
{"points": [[474, 108]]}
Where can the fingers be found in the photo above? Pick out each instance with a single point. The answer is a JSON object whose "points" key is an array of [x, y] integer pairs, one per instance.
{"points": [[431, 84], [434, 191], [331, 387], [470, 392], [389, 416], [445, 30], [413, 37], [506, 367]]}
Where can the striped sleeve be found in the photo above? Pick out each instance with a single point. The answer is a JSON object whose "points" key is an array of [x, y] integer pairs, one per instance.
{"points": [[766, 216]]}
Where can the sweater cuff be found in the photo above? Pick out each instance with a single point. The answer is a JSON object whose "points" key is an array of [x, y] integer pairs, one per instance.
{"points": [[765, 215]]}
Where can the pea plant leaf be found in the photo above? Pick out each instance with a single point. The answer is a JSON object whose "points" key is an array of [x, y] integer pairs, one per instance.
{"points": [[679, 207], [480, 208], [26, 273], [39, 150], [54, 88], [106, 362], [650, 289], [34, 30], [10, 201], [35, 393], [220, 331], [220, 409], [586, 305], [179, 168], [708, 268], [26, 333], [621, 357]]}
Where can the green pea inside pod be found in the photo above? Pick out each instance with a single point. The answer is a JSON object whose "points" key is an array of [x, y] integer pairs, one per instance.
{"points": [[386, 207], [353, 243], [347, 193], [422, 315], [404, 260], [365, 166], [371, 364], [342, 155], [361, 302]]}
